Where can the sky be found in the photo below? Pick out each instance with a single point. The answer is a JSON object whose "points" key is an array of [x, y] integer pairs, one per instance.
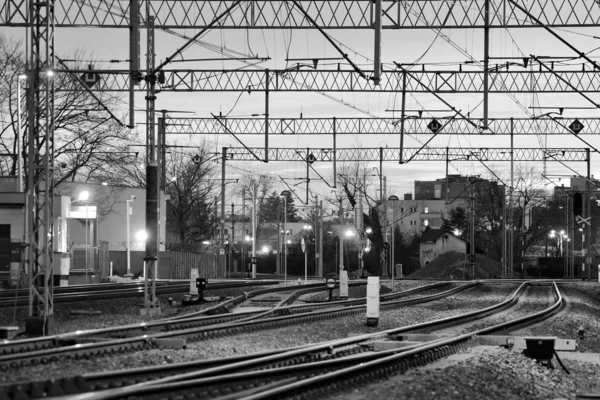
{"points": [[444, 49]]}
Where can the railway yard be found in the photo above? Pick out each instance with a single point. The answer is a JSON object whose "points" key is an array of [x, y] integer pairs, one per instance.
{"points": [[261, 339]]}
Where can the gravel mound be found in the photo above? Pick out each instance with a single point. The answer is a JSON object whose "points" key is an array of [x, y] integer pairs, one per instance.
{"points": [[483, 372], [454, 265]]}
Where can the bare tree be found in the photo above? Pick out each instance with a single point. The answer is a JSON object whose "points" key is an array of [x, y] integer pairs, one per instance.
{"points": [[190, 183], [89, 138]]}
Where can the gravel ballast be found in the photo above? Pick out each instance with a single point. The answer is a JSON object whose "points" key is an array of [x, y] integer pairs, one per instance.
{"points": [[293, 335], [481, 372]]}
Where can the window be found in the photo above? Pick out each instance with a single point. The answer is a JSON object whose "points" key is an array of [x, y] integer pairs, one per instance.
{"points": [[401, 209], [426, 210], [413, 222], [426, 222], [401, 222]]}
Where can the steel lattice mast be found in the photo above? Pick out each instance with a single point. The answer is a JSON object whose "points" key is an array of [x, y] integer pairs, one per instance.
{"points": [[40, 165], [381, 126], [439, 81], [330, 14], [412, 154]]}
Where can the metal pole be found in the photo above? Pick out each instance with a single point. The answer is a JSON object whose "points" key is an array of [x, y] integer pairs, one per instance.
{"points": [[317, 233], [341, 237], [86, 243], [335, 177], [222, 257], [588, 213], [285, 240], [19, 138], [306, 260], [151, 305], [392, 244], [128, 239], [232, 241], [509, 273], [243, 229], [447, 185], [472, 250], [402, 116], [377, 45], [321, 238], [134, 54], [486, 61], [267, 83], [253, 231]]}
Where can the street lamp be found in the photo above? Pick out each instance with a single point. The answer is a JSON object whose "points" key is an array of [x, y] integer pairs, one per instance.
{"points": [[285, 195], [128, 212], [393, 198]]}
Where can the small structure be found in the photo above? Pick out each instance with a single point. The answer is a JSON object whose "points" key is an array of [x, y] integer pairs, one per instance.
{"points": [[438, 241]]}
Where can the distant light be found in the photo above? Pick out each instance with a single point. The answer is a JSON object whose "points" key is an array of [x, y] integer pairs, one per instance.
{"points": [[104, 183], [248, 238], [457, 232], [83, 196], [22, 76], [369, 230], [206, 242], [289, 241], [141, 236], [265, 249], [349, 233], [50, 73]]}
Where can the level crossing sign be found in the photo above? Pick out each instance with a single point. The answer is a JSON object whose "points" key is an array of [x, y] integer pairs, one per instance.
{"points": [[581, 220]]}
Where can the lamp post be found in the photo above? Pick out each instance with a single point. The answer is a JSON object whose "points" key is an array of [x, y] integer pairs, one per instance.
{"points": [[393, 198], [285, 195], [129, 212]]}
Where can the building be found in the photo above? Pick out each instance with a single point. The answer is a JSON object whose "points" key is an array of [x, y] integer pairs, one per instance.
{"points": [[433, 201], [438, 241]]}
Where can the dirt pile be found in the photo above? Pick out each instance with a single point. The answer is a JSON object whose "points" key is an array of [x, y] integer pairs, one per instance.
{"points": [[454, 265]]}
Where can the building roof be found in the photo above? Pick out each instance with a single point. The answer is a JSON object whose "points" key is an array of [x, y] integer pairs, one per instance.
{"points": [[432, 235]]}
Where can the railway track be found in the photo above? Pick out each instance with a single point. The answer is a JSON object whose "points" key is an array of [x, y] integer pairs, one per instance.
{"points": [[19, 298], [280, 316], [304, 372]]}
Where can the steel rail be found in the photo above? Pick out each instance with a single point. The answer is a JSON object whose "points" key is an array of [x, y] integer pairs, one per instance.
{"points": [[239, 370], [112, 292], [52, 341], [209, 316], [151, 339], [398, 362]]}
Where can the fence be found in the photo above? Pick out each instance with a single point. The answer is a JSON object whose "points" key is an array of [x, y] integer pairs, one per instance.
{"points": [[184, 257]]}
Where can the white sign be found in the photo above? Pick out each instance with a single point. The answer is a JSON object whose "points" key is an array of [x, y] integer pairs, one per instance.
{"points": [[343, 284], [303, 244], [193, 276], [372, 300]]}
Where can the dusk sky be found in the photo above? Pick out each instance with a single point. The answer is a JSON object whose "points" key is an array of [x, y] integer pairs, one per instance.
{"points": [[440, 50]]}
